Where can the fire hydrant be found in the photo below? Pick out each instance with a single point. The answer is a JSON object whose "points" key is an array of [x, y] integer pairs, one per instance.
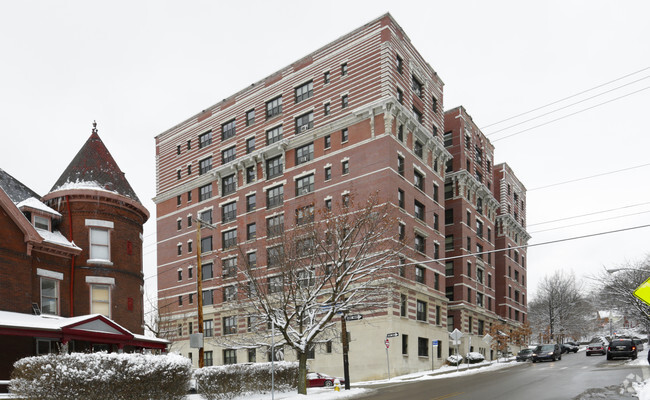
{"points": [[337, 385]]}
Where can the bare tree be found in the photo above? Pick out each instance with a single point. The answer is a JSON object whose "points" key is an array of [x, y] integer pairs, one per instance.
{"points": [[327, 264], [617, 286], [560, 309]]}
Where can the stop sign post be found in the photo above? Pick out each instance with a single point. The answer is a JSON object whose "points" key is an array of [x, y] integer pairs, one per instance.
{"points": [[387, 343]]}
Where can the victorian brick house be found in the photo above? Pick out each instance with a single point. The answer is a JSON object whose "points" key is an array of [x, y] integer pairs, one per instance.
{"points": [[71, 261]]}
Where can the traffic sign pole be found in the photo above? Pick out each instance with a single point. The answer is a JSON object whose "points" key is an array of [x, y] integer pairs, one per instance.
{"points": [[387, 360]]}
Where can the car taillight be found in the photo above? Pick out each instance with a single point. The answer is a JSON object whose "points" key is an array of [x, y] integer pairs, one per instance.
{"points": [[609, 348], [633, 348]]}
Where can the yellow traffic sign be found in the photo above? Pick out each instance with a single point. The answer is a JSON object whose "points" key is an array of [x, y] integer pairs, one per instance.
{"points": [[643, 292]]}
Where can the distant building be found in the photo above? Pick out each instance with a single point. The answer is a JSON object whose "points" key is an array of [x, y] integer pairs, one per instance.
{"points": [[360, 114], [71, 262]]}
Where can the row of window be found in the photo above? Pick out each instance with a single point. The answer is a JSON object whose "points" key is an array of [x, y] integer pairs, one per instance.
{"points": [[100, 298], [479, 297]]}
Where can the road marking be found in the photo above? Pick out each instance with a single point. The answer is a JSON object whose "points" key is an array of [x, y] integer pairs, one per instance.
{"points": [[447, 396]]}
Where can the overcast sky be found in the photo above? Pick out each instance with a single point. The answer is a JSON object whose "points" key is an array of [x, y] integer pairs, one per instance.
{"points": [[140, 67]]}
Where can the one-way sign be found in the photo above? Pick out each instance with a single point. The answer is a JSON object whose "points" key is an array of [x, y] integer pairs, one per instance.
{"points": [[354, 317], [392, 334]]}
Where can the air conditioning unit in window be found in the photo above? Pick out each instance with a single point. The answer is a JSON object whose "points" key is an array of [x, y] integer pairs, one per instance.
{"points": [[304, 128]]}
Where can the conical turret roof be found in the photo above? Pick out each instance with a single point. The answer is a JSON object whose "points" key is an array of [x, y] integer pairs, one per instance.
{"points": [[94, 168]]}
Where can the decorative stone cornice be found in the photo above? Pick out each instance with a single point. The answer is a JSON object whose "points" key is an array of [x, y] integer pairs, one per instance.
{"points": [[510, 224]]}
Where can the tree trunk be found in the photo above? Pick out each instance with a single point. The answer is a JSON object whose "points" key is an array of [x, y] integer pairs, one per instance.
{"points": [[302, 372]]}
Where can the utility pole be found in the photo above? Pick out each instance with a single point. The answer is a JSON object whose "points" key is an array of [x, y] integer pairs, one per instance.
{"points": [[346, 348]]}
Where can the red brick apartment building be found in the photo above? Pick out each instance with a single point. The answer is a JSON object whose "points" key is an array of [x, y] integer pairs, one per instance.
{"points": [[359, 115], [71, 262]]}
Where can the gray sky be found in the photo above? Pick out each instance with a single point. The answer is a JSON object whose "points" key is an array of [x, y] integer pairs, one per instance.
{"points": [[139, 68]]}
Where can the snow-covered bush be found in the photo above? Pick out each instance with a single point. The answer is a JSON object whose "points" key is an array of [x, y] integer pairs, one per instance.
{"points": [[474, 357], [454, 359], [101, 376], [228, 381]]}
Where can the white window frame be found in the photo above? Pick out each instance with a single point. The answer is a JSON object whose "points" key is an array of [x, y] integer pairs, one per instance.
{"points": [[56, 295], [43, 220], [97, 286]]}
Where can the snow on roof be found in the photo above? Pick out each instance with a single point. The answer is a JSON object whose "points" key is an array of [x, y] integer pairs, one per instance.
{"points": [[81, 184], [35, 203], [56, 237], [45, 322]]}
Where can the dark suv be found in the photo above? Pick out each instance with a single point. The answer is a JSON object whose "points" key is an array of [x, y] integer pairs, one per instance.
{"points": [[550, 352], [621, 348]]}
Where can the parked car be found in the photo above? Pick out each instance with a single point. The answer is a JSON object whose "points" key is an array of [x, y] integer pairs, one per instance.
{"points": [[596, 348], [525, 355], [570, 347], [622, 348], [314, 379], [549, 352], [639, 344]]}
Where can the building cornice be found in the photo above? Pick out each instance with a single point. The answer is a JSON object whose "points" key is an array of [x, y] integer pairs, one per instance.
{"points": [[510, 223]]}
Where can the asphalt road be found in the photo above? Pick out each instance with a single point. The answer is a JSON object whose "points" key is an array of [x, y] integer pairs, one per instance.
{"points": [[575, 377]]}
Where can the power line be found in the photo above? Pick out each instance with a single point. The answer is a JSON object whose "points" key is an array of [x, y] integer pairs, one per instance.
{"points": [[564, 107], [566, 98], [589, 177], [591, 222], [588, 214], [570, 115]]}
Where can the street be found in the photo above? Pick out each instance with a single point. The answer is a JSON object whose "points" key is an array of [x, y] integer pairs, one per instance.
{"points": [[576, 376]]}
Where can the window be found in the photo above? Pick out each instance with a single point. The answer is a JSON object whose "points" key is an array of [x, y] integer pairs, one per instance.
{"points": [[250, 145], [328, 173], [421, 314], [205, 165], [328, 141], [344, 69], [250, 174], [229, 239], [417, 87], [449, 268], [250, 117], [448, 139], [49, 296], [345, 167], [251, 259], [449, 242], [344, 101], [345, 200], [402, 267], [326, 77], [419, 274], [189, 196], [400, 96], [100, 244], [402, 231], [228, 130], [438, 315], [275, 197], [275, 284], [230, 294], [304, 91], [418, 148], [208, 361], [418, 180], [400, 198], [326, 109], [403, 304], [423, 347], [274, 107], [405, 347], [479, 299], [205, 192], [479, 275], [207, 324], [206, 244], [251, 231], [305, 153], [417, 114], [206, 271], [305, 215], [180, 274], [420, 243], [400, 133], [41, 222], [304, 122], [178, 149], [205, 139], [228, 185], [436, 251], [305, 185], [419, 210], [179, 224], [230, 356], [275, 225], [449, 293], [229, 212], [274, 167], [344, 135], [189, 144], [189, 169], [208, 300], [228, 155], [100, 302], [436, 221], [400, 65], [178, 174], [179, 249], [180, 303], [274, 135], [479, 158], [250, 202], [434, 104], [328, 204], [189, 250]]}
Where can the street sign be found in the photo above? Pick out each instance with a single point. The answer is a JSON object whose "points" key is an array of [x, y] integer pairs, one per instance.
{"points": [[434, 343], [456, 334], [643, 292], [387, 343], [392, 334], [354, 317]]}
